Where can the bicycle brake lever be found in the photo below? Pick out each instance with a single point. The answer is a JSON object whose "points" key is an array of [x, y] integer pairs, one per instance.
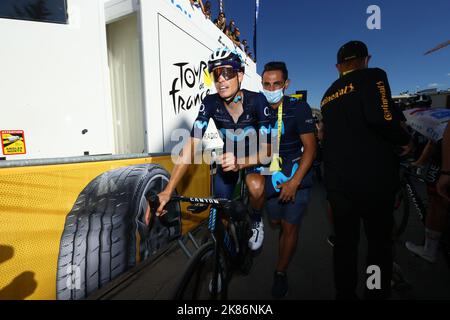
{"points": [[154, 205]]}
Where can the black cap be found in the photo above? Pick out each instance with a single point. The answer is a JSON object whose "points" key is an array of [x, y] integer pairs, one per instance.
{"points": [[352, 50]]}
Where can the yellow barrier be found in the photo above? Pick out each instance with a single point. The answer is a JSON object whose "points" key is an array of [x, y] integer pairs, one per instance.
{"points": [[34, 203]]}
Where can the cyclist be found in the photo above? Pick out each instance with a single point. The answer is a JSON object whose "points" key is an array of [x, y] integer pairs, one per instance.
{"points": [[238, 115], [362, 128], [436, 219], [288, 186]]}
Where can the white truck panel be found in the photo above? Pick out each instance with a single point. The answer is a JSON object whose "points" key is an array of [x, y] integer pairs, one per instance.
{"points": [[55, 78], [54, 83]]}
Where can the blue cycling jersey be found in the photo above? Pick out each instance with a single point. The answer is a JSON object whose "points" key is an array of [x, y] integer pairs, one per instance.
{"points": [[297, 120], [254, 120]]}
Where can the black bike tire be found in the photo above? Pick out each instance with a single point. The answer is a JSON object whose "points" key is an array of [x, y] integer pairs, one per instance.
{"points": [[192, 268]]}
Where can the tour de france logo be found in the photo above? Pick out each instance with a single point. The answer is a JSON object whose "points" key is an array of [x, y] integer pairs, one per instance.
{"points": [[190, 86]]}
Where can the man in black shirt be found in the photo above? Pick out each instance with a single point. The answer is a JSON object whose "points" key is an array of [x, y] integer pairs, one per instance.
{"points": [[362, 133]]}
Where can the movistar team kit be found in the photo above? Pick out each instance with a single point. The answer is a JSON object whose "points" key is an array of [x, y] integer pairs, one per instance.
{"points": [[253, 120], [296, 119]]}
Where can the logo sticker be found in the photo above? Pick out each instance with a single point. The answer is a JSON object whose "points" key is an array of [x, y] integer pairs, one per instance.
{"points": [[13, 142]]}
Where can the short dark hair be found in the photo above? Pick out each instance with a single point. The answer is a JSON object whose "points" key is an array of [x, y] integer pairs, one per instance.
{"points": [[277, 66]]}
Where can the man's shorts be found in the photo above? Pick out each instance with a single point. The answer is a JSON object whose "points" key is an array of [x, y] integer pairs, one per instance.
{"points": [[290, 212]]}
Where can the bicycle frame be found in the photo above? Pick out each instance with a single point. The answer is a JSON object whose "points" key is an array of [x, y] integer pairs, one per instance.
{"points": [[222, 239], [413, 194]]}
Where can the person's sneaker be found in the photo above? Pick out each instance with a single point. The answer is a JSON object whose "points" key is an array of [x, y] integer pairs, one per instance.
{"points": [[419, 251], [331, 240], [256, 240], [280, 285]]}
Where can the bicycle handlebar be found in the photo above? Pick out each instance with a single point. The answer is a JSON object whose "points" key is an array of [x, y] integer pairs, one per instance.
{"points": [[411, 170], [232, 208], [215, 202]]}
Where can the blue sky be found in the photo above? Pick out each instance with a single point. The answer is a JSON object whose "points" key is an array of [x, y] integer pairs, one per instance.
{"points": [[307, 34]]}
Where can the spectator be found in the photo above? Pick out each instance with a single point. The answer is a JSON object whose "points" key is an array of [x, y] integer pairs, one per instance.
{"points": [[198, 4], [207, 10], [362, 128], [235, 37], [221, 22], [229, 30]]}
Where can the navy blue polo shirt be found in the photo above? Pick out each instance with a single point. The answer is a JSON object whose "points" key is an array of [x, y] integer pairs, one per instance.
{"points": [[297, 120]]}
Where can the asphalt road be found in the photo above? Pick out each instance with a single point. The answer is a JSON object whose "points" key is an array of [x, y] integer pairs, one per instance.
{"points": [[310, 273]]}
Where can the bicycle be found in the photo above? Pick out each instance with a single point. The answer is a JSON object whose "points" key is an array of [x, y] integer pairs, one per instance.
{"points": [[223, 251], [407, 195]]}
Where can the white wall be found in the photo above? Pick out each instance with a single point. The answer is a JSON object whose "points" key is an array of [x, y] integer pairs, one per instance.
{"points": [[55, 78], [183, 36], [54, 83]]}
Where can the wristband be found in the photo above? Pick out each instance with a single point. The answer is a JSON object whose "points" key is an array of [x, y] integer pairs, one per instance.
{"points": [[447, 173]]}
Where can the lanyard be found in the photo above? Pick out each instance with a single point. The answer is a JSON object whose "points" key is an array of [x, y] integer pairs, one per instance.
{"points": [[275, 165], [280, 123]]}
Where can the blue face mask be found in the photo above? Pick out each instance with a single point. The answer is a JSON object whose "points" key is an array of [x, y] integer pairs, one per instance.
{"points": [[274, 96]]}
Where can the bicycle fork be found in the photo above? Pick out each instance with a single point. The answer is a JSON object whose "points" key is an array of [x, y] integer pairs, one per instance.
{"points": [[216, 231]]}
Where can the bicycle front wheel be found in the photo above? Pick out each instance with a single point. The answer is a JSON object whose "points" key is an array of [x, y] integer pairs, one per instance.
{"points": [[197, 281]]}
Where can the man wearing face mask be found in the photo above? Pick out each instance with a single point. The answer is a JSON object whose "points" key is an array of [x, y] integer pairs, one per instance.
{"points": [[362, 135], [288, 185], [238, 115]]}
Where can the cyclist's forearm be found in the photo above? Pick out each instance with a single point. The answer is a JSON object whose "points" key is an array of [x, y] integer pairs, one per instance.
{"points": [[306, 162], [177, 174], [183, 162]]}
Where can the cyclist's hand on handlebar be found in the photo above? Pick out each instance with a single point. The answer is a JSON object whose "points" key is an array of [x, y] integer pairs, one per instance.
{"points": [[229, 162], [164, 198]]}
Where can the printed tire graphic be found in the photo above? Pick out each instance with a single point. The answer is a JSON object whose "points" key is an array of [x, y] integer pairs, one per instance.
{"points": [[105, 234]]}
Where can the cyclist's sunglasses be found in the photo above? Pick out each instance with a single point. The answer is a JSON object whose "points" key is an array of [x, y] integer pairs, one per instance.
{"points": [[226, 73]]}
